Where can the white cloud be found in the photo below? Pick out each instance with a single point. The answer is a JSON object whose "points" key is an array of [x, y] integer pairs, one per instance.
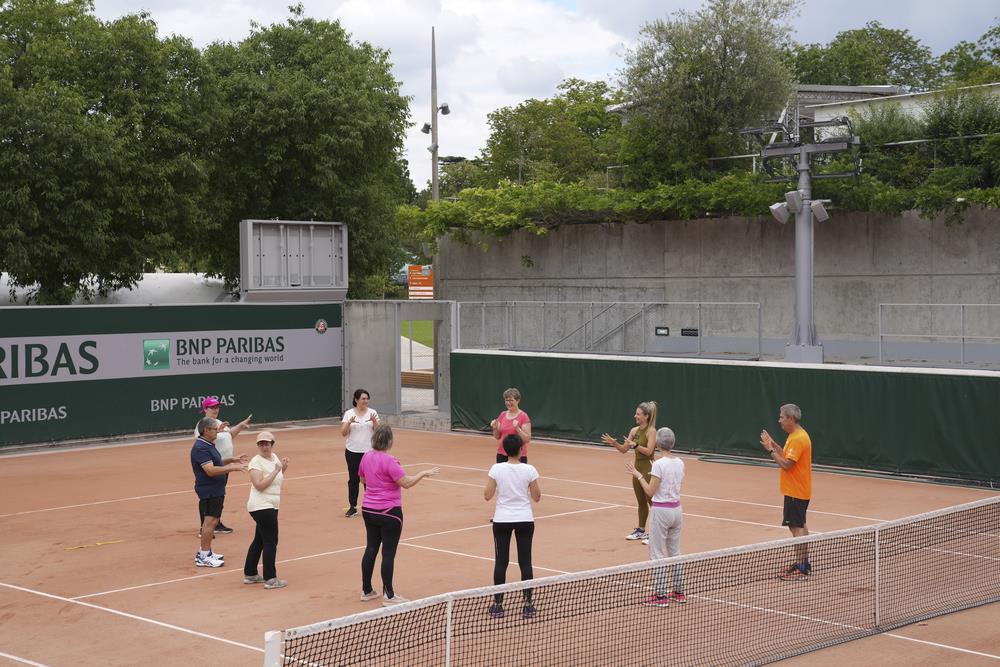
{"points": [[529, 77], [494, 53]]}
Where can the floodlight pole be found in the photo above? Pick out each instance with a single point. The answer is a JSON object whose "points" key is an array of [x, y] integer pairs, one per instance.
{"points": [[803, 346], [435, 194]]}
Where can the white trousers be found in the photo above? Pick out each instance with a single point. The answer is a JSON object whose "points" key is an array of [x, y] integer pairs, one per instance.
{"points": [[665, 540]]}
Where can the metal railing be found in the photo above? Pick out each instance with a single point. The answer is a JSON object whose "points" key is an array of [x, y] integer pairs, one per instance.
{"points": [[717, 328], [926, 317]]}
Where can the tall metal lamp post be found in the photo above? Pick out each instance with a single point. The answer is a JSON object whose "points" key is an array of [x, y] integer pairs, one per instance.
{"points": [[804, 345], [432, 127]]}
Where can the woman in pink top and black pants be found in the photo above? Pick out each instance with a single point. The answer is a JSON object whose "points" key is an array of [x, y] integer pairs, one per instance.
{"points": [[512, 421], [382, 509]]}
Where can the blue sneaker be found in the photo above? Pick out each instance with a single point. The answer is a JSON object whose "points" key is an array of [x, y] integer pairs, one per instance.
{"points": [[496, 611]]}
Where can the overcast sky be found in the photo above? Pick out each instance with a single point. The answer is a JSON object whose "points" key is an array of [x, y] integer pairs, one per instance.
{"points": [[494, 53]]}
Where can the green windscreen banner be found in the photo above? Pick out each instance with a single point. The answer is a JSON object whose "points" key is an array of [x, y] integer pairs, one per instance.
{"points": [[928, 422], [92, 371]]}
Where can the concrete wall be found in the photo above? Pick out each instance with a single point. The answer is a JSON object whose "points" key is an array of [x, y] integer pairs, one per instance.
{"points": [[372, 355], [861, 260]]}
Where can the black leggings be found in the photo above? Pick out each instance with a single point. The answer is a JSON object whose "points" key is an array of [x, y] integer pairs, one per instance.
{"points": [[523, 531], [265, 542], [384, 528], [353, 479]]}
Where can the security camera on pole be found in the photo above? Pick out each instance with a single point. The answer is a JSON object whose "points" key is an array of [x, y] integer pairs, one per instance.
{"points": [[803, 346]]}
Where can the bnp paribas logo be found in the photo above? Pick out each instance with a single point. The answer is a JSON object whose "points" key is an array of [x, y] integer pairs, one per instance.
{"points": [[156, 354]]}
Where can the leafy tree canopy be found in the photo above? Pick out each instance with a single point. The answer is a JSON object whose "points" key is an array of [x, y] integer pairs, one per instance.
{"points": [[867, 56], [696, 78], [971, 64], [313, 129], [100, 133], [565, 138]]}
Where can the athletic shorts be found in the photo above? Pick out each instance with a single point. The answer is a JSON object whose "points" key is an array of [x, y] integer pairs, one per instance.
{"points": [[211, 506], [795, 512]]}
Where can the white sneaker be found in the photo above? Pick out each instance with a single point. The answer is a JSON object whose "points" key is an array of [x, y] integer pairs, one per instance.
{"points": [[395, 599], [207, 560], [275, 583], [636, 534], [365, 597], [645, 541]]}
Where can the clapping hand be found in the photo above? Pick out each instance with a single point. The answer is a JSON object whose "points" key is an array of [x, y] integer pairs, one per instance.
{"points": [[284, 464], [630, 469], [244, 458], [766, 441], [608, 439]]}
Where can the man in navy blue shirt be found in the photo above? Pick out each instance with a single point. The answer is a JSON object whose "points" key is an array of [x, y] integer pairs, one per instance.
{"points": [[210, 474]]}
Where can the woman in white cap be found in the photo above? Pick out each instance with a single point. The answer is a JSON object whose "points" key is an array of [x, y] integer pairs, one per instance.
{"points": [[266, 474], [223, 442]]}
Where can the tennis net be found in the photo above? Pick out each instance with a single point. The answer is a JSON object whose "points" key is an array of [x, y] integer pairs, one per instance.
{"points": [[737, 611]]}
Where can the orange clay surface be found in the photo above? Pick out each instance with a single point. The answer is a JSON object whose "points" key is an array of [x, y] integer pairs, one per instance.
{"points": [[98, 544]]}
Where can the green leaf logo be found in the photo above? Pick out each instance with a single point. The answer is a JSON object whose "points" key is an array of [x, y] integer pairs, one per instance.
{"points": [[156, 354]]}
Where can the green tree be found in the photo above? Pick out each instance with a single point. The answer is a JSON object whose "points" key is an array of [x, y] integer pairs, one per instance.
{"points": [[100, 128], [313, 129], [564, 138], [971, 64], [867, 56], [696, 78]]}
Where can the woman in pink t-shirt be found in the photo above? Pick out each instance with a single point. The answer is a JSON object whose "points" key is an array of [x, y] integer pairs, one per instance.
{"points": [[512, 421], [382, 510]]}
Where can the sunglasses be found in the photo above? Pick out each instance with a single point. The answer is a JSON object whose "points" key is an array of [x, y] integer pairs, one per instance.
{"points": [[265, 442]]}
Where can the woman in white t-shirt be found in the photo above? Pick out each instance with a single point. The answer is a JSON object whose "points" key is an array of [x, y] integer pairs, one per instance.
{"points": [[515, 485], [665, 518], [357, 426], [266, 474]]}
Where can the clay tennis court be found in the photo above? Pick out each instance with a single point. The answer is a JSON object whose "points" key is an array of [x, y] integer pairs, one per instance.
{"points": [[98, 544]]}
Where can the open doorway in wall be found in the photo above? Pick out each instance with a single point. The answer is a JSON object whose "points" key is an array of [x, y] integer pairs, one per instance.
{"points": [[416, 355]]}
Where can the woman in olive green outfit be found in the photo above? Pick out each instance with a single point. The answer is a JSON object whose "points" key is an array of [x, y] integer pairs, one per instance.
{"points": [[642, 439]]}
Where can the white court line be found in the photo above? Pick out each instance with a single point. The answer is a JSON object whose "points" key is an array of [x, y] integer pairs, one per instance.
{"points": [[309, 557], [944, 646], [684, 495], [142, 443], [490, 558], [161, 624], [609, 505], [175, 493], [847, 626], [23, 661]]}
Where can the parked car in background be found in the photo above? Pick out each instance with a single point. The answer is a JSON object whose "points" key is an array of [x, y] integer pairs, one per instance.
{"points": [[401, 277]]}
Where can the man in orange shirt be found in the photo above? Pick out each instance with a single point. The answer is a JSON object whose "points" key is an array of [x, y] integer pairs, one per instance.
{"points": [[795, 461]]}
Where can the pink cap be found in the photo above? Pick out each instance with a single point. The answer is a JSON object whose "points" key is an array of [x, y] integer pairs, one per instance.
{"points": [[210, 402]]}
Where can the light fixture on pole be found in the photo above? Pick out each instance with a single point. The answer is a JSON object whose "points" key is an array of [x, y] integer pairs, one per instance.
{"points": [[432, 127], [780, 212], [804, 345], [818, 210]]}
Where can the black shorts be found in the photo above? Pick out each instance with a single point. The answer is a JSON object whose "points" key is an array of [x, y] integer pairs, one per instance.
{"points": [[795, 512], [211, 506]]}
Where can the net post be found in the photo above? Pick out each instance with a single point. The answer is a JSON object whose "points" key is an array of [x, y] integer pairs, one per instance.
{"points": [[447, 634], [272, 648], [878, 591]]}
